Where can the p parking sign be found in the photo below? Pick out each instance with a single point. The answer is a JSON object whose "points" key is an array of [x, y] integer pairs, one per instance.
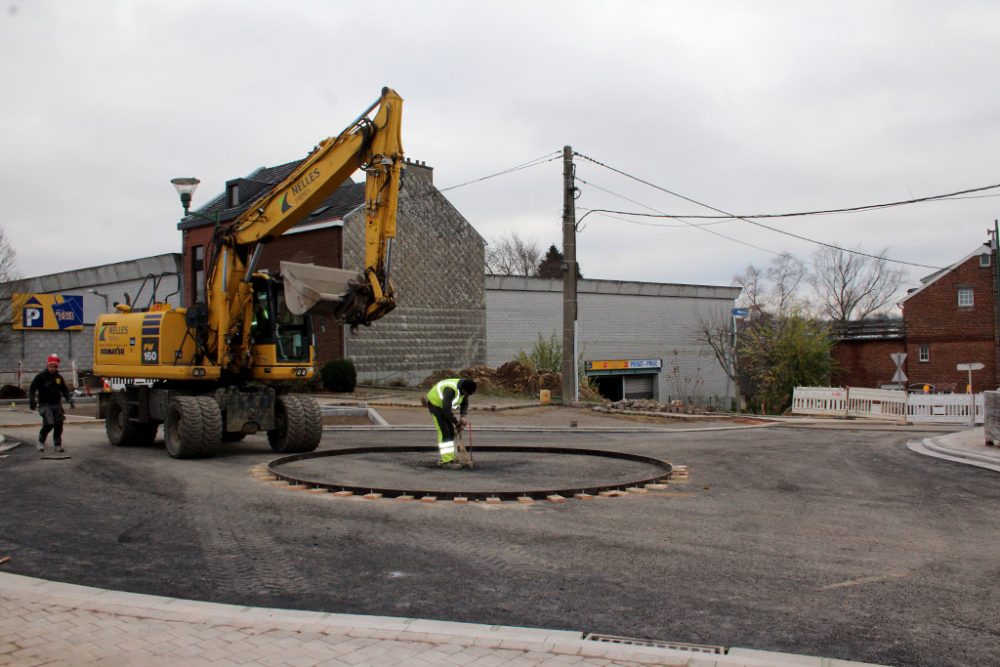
{"points": [[48, 312]]}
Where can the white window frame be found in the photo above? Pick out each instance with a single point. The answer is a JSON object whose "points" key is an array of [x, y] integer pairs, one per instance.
{"points": [[924, 353], [966, 292], [984, 260]]}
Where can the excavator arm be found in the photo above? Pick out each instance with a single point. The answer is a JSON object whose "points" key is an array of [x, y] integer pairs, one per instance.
{"points": [[372, 144]]}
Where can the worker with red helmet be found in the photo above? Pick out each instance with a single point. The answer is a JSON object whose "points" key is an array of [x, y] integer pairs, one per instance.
{"points": [[45, 394]]}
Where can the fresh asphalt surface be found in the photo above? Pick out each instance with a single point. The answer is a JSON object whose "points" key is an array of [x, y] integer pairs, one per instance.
{"points": [[833, 542]]}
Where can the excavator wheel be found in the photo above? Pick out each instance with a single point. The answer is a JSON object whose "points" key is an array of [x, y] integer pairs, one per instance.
{"points": [[211, 425], [312, 427], [297, 425], [182, 430], [123, 432]]}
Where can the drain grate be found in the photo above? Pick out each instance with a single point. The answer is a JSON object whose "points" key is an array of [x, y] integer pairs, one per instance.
{"points": [[635, 641]]}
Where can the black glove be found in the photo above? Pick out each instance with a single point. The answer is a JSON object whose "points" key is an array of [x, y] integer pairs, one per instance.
{"points": [[33, 405]]}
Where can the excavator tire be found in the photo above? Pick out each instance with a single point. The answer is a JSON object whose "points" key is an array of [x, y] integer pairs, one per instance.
{"points": [[312, 426], [292, 432], [211, 425], [122, 432], [182, 429]]}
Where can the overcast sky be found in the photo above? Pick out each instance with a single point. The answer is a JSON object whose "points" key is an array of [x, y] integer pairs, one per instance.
{"points": [[750, 107]]}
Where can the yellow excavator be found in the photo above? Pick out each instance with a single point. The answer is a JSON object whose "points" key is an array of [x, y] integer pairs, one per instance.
{"points": [[218, 370]]}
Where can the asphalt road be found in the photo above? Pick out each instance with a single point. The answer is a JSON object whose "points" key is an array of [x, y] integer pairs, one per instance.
{"points": [[839, 543]]}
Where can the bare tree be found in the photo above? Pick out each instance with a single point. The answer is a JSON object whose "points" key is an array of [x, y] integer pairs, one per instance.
{"points": [[8, 285], [786, 274], [850, 286], [716, 332], [774, 289], [513, 256]]}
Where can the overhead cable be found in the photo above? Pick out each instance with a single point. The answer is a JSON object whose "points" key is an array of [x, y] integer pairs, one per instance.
{"points": [[732, 216], [548, 157]]}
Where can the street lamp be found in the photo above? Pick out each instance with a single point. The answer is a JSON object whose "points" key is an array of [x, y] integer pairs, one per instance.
{"points": [[103, 296], [185, 188]]}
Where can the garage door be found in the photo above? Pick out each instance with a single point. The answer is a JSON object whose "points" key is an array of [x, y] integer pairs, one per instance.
{"points": [[639, 386]]}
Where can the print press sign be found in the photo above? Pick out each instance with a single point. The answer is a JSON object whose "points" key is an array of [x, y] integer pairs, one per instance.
{"points": [[48, 312]]}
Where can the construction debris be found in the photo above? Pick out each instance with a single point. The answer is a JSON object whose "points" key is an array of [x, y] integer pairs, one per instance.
{"points": [[512, 377], [648, 405]]}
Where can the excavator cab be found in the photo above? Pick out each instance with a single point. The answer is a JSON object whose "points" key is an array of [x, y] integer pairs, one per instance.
{"points": [[282, 340]]}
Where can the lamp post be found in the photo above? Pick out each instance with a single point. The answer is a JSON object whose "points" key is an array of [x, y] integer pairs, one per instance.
{"points": [[185, 188], [103, 296]]}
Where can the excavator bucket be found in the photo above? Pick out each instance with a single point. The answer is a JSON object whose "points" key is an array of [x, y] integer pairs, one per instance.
{"points": [[321, 290]]}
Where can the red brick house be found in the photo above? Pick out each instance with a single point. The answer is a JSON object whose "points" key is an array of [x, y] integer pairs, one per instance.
{"points": [[950, 319]]}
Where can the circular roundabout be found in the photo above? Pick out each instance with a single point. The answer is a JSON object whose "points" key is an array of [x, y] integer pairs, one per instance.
{"points": [[504, 473]]}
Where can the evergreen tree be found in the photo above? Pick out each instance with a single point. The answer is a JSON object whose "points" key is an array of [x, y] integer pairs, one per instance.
{"points": [[551, 265]]}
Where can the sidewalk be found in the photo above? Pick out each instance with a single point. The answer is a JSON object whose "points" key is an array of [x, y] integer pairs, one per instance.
{"points": [[968, 447], [50, 623]]}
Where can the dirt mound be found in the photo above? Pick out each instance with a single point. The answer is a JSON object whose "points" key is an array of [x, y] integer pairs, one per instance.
{"points": [[513, 377], [11, 391]]}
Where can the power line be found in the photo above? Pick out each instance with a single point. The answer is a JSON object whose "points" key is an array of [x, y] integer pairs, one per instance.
{"points": [[548, 157], [774, 229]]}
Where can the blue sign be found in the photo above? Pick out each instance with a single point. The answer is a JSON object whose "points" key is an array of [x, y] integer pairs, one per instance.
{"points": [[741, 312], [48, 312]]}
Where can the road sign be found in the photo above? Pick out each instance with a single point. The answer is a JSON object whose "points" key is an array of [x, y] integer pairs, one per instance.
{"points": [[899, 377], [741, 313], [970, 367], [898, 358]]}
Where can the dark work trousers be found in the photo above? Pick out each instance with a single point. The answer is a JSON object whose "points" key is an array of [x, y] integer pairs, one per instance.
{"points": [[445, 423], [52, 420]]}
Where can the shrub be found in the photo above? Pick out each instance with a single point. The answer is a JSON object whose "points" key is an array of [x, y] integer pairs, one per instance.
{"points": [[546, 355], [339, 375]]}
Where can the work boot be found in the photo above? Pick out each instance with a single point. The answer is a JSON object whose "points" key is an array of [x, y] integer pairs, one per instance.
{"points": [[59, 449], [40, 446]]}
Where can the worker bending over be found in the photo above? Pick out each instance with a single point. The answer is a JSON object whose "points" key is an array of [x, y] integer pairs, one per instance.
{"points": [[442, 400]]}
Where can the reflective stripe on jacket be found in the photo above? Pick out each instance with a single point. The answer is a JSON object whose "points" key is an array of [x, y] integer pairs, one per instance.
{"points": [[436, 395]]}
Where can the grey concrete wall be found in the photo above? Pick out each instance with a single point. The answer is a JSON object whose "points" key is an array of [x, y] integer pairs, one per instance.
{"points": [[31, 348], [616, 320], [438, 272]]}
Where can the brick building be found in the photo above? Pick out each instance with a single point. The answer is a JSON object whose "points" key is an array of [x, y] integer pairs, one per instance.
{"points": [[950, 319], [863, 353], [437, 271]]}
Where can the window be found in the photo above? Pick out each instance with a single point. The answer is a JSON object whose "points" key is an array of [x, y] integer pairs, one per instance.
{"points": [[924, 353], [984, 260], [965, 297], [198, 272]]}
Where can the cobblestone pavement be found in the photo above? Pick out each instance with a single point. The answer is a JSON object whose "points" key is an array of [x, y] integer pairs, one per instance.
{"points": [[54, 624]]}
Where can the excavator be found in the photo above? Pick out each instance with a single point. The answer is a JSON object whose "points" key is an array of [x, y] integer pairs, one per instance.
{"points": [[218, 370]]}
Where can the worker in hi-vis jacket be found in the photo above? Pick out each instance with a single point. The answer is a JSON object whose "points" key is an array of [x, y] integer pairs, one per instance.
{"points": [[443, 400]]}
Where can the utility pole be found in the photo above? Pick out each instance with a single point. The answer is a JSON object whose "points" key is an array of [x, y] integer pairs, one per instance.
{"points": [[995, 260], [569, 376]]}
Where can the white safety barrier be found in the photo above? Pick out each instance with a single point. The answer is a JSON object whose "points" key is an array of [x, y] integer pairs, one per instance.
{"points": [[823, 401], [876, 403], [944, 408], [891, 404]]}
